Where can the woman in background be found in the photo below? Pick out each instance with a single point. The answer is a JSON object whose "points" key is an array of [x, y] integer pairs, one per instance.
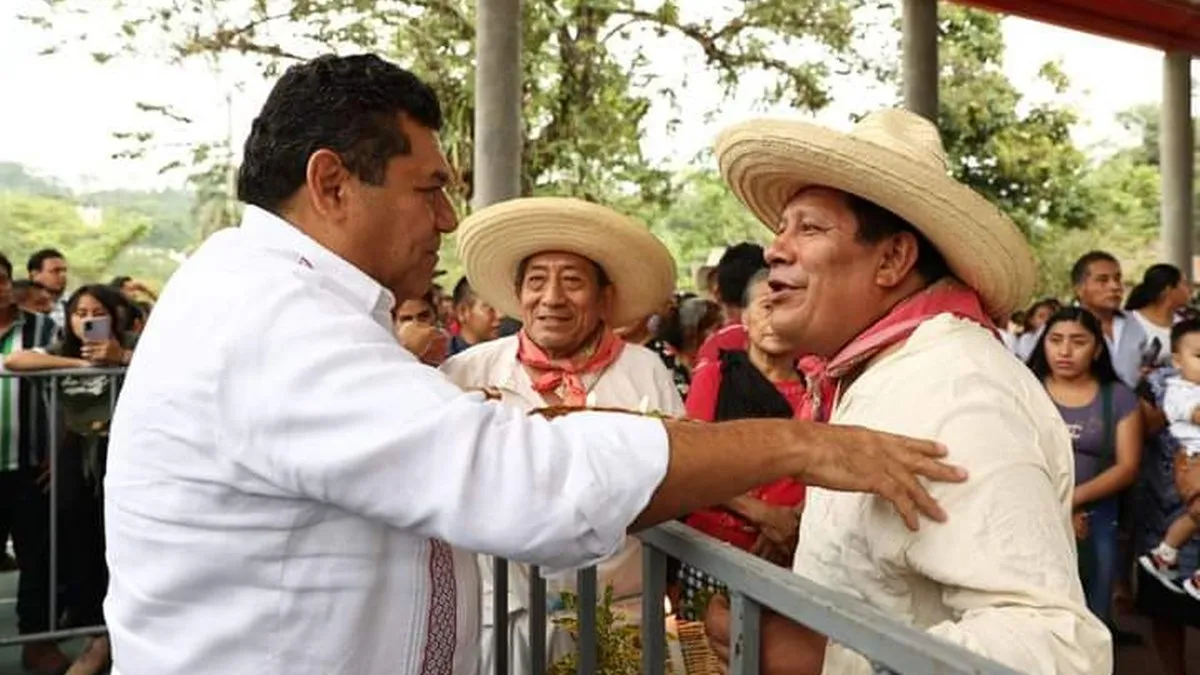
{"points": [[1105, 422], [1155, 303], [762, 381]]}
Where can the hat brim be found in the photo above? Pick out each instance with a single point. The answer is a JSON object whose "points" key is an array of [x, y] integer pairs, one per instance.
{"points": [[767, 162], [493, 241]]}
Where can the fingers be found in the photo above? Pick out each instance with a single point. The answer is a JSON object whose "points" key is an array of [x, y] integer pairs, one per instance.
{"points": [[893, 491], [921, 498], [935, 470]]}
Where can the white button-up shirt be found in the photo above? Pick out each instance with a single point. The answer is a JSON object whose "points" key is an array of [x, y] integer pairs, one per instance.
{"points": [[1000, 576], [637, 379], [281, 474]]}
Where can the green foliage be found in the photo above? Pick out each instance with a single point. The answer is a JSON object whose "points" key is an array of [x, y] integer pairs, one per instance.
{"points": [[32, 222], [618, 649], [1018, 154], [705, 215], [589, 77]]}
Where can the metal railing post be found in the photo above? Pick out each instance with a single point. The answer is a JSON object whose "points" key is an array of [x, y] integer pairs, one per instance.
{"points": [[537, 621], [744, 634], [500, 613], [587, 609], [52, 448], [654, 630]]}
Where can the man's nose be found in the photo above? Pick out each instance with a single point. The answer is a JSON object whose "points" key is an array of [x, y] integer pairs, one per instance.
{"points": [[776, 253], [446, 217], [554, 294]]}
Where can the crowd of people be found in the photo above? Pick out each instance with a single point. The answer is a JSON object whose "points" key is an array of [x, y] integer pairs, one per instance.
{"points": [[316, 450], [43, 327]]}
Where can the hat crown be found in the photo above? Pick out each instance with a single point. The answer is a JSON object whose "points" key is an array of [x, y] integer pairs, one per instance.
{"points": [[905, 133]]}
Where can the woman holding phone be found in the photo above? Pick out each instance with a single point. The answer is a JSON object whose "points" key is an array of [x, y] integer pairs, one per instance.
{"points": [[91, 339]]}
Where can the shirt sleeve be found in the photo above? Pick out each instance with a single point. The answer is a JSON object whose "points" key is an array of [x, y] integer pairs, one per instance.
{"points": [[1125, 401], [1005, 560], [702, 396], [327, 406]]}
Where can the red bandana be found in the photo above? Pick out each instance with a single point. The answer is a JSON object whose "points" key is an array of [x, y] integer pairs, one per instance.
{"points": [[565, 377], [944, 297]]}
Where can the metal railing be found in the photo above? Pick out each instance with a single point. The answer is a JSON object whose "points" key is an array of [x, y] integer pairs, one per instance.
{"points": [[46, 382], [753, 584]]}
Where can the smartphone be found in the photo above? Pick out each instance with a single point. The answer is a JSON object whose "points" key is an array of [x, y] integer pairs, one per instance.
{"points": [[97, 329]]}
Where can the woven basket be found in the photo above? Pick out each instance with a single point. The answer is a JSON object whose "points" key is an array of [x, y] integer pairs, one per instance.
{"points": [[698, 657]]}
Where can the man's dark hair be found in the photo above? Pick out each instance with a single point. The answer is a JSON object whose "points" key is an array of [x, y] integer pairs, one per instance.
{"points": [[876, 223], [738, 264], [6, 265], [118, 282], [1079, 270], [1181, 330], [463, 293], [347, 104], [39, 258]]}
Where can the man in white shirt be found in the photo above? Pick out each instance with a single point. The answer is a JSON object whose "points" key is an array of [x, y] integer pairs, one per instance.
{"points": [[570, 284], [289, 491], [893, 273]]}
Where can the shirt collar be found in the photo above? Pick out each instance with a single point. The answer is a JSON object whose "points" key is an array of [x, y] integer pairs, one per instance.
{"points": [[280, 235]]}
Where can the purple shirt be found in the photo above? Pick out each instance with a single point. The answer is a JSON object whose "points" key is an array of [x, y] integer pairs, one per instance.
{"points": [[1086, 424]]}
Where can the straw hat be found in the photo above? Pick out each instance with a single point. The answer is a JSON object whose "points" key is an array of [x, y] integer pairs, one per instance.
{"points": [[494, 240], [895, 159]]}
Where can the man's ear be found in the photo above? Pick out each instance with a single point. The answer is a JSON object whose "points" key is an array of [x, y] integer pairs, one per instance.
{"points": [[898, 257], [328, 180]]}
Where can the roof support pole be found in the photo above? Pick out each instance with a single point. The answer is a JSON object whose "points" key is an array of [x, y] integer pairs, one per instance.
{"points": [[499, 133], [919, 25], [1176, 150]]}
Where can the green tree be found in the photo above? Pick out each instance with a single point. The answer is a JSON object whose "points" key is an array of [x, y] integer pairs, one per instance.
{"points": [[32, 222], [1017, 153], [704, 216], [589, 73]]}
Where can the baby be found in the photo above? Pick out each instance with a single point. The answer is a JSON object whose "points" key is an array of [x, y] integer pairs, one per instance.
{"points": [[1181, 405]]}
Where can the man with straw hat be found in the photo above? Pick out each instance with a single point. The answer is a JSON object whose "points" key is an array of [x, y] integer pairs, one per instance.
{"points": [[295, 492], [891, 271], [573, 272]]}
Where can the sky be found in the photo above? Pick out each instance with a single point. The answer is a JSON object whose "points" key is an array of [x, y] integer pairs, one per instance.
{"points": [[61, 110]]}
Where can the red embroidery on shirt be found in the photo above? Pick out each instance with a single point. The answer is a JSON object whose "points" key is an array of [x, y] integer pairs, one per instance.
{"points": [[443, 612]]}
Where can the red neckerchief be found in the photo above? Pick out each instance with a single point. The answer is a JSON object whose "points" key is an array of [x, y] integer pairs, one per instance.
{"points": [[943, 297], [566, 376]]}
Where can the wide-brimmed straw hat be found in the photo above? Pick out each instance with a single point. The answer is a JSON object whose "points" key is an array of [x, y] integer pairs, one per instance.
{"points": [[493, 241], [895, 159]]}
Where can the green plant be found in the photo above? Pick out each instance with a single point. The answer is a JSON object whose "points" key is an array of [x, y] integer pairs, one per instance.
{"points": [[618, 643]]}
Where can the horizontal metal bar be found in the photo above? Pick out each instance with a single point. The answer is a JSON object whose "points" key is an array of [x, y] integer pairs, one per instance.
{"points": [[53, 635], [842, 618], [57, 372]]}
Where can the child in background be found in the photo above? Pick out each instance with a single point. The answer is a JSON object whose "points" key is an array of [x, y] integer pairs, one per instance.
{"points": [[1181, 406]]}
